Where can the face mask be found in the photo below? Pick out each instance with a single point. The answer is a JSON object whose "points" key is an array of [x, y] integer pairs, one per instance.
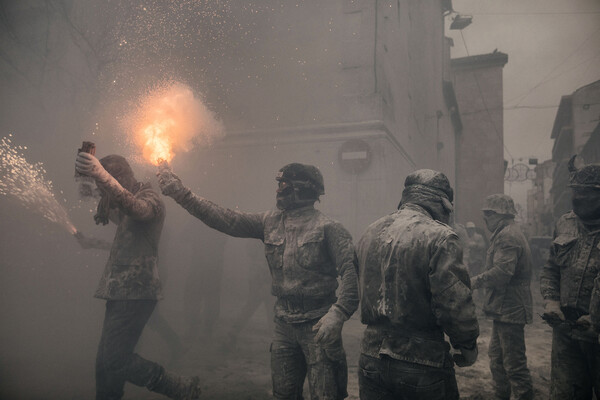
{"points": [[586, 203], [287, 197], [492, 220]]}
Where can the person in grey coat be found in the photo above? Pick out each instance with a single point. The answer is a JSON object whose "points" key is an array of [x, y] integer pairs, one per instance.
{"points": [[507, 298], [413, 289]]}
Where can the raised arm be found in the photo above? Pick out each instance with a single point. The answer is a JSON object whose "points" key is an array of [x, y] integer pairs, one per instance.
{"points": [[233, 223], [140, 208], [91, 243]]}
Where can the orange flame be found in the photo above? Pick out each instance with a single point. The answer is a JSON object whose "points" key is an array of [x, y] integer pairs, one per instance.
{"points": [[157, 143], [170, 119]]}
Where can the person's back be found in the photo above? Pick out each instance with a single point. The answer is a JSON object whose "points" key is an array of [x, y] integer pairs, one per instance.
{"points": [[401, 261], [414, 288]]}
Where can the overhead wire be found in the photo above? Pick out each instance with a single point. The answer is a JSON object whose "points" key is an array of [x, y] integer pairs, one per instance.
{"points": [[541, 13], [548, 77]]}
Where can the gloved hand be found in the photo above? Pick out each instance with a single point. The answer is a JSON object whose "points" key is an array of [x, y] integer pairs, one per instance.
{"points": [[552, 312], [467, 357], [168, 182], [87, 164], [584, 322], [329, 327]]}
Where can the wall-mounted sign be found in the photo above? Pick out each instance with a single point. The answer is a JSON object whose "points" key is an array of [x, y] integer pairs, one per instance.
{"points": [[354, 156]]}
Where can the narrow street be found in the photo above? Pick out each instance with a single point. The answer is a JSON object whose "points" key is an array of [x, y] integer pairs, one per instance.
{"points": [[244, 372]]}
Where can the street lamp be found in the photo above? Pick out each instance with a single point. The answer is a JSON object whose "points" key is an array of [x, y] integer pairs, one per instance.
{"points": [[461, 22]]}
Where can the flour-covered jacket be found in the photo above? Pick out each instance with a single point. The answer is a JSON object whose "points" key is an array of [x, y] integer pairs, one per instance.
{"points": [[413, 288], [306, 252], [131, 272], [507, 277], [574, 263]]}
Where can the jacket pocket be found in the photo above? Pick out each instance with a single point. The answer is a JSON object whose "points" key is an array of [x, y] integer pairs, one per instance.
{"points": [[310, 254], [563, 246], [274, 246]]}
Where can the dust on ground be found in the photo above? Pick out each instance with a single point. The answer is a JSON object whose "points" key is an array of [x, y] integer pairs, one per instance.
{"points": [[243, 371]]}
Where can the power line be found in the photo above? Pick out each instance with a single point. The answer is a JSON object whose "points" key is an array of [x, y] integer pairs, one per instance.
{"points": [[545, 78], [540, 13], [562, 73], [484, 102], [534, 107]]}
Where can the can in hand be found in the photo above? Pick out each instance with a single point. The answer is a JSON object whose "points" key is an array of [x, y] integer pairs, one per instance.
{"points": [[85, 182], [88, 147]]}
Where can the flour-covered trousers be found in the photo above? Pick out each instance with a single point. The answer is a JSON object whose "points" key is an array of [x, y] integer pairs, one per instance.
{"points": [[295, 355]]}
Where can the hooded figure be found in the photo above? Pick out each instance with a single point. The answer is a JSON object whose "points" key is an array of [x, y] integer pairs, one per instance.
{"points": [[414, 289], [130, 283]]}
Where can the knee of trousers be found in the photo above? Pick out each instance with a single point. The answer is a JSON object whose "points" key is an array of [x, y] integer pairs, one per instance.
{"points": [[115, 363], [328, 371]]}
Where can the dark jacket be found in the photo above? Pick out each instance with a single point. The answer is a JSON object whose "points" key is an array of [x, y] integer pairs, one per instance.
{"points": [[507, 277], [306, 252], [573, 265], [414, 288]]}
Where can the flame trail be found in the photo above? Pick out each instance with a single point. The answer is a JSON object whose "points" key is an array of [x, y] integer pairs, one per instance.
{"points": [[26, 182], [171, 119]]}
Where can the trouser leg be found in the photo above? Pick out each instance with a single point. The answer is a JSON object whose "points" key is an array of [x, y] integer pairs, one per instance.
{"points": [[570, 375], [288, 366], [327, 370], [501, 383], [593, 354], [371, 379], [512, 340], [116, 362]]}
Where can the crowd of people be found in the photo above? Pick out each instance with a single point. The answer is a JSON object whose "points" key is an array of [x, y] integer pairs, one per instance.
{"points": [[411, 274]]}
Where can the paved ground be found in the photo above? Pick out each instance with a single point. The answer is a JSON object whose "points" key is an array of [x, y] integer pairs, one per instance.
{"points": [[243, 373]]}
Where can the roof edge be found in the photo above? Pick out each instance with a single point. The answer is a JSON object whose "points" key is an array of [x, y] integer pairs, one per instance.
{"points": [[497, 58]]}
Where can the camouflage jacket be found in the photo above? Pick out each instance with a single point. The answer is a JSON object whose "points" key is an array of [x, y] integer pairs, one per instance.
{"points": [[507, 277], [306, 252], [131, 271], [414, 288], [574, 263]]}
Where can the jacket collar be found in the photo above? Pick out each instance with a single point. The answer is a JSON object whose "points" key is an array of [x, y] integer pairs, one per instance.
{"points": [[501, 225], [415, 207], [298, 212]]}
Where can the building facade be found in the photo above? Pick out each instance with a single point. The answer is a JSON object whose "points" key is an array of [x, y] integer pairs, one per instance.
{"points": [[479, 146], [575, 131], [356, 87]]}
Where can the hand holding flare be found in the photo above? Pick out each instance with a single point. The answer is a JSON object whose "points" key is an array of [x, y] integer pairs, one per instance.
{"points": [[170, 119], [87, 164], [168, 182]]}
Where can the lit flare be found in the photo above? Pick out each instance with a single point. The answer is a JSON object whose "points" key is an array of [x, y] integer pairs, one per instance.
{"points": [[158, 145]]}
